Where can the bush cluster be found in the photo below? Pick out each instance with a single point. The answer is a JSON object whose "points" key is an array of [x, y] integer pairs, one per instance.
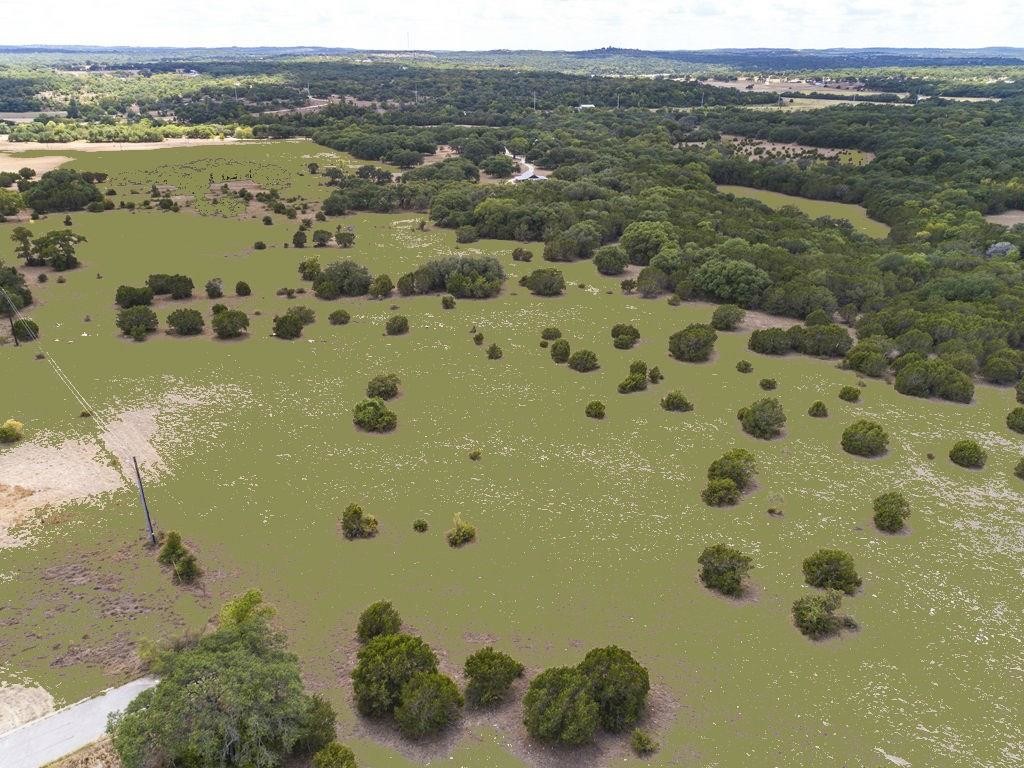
{"points": [[183, 563], [229, 324], [693, 344], [356, 524], [968, 453], [815, 615], [396, 325], [373, 416], [636, 381], [723, 568], [384, 386], [560, 351], [865, 438], [727, 317], [728, 477], [676, 401], [763, 419], [186, 322], [831, 569], [625, 336], [891, 510], [595, 409], [582, 360]]}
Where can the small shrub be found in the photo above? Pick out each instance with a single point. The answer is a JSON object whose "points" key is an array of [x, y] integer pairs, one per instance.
{"points": [[625, 336], [891, 509], [490, 674], [655, 375], [384, 386], [818, 410], [642, 743], [815, 615], [494, 352], [380, 618], [1018, 470], [420, 525], [475, 454], [831, 569], [595, 409], [618, 683], [737, 465], [334, 755], [397, 325], [11, 431], [550, 333], [559, 708], [676, 401], [849, 394], [288, 326], [723, 569], [229, 324], [1015, 420], [727, 317], [583, 361], [865, 438], [447, 302], [768, 384], [461, 534], [242, 288], [355, 524], [545, 282], [339, 317], [428, 703], [26, 329], [478, 338], [135, 322], [218, 308], [967, 453], [720, 492], [744, 366], [215, 288], [560, 351], [373, 416], [636, 381]]}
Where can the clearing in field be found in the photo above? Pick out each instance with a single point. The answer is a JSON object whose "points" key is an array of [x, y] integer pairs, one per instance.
{"points": [[855, 214]]}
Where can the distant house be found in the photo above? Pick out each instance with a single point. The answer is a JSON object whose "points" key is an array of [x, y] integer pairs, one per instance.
{"points": [[586, 106]]}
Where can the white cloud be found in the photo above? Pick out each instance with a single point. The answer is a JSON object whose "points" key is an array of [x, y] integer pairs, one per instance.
{"points": [[543, 24]]}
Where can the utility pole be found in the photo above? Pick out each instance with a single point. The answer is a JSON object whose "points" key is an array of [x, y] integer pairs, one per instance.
{"points": [[142, 500]]}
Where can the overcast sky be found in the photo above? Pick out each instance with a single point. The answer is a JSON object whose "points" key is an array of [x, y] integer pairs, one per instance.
{"points": [[543, 24]]}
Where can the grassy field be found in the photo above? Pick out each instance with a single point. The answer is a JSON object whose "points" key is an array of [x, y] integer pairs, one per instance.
{"points": [[855, 214], [588, 531]]}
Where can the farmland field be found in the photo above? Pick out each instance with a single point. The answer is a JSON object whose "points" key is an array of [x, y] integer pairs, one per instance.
{"points": [[855, 214], [589, 530]]}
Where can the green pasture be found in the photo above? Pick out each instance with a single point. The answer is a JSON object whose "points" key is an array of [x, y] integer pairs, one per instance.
{"points": [[588, 531], [855, 214]]}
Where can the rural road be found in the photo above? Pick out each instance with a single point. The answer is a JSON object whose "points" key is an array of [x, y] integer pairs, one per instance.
{"points": [[59, 733]]}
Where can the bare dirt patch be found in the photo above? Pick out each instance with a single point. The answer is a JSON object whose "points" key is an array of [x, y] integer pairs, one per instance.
{"points": [[117, 657], [98, 755], [1006, 218], [20, 704], [38, 164]]}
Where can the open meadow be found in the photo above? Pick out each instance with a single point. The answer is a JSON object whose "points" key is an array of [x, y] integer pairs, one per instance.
{"points": [[588, 531]]}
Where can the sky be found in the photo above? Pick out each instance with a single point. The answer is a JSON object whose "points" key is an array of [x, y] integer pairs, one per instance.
{"points": [[518, 24]]}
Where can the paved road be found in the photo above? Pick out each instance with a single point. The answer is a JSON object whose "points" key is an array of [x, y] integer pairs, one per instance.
{"points": [[59, 733]]}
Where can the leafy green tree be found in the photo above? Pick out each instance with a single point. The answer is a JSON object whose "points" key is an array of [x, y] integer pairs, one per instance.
{"points": [[727, 317], [299, 239], [490, 674], [242, 289], [373, 416], [545, 282], [636, 381], [384, 386], [215, 288], [763, 419], [321, 238], [559, 707], [550, 334], [642, 240], [642, 743], [582, 360], [624, 336], [186, 322], [619, 685], [770, 341], [611, 260], [723, 568], [339, 317], [693, 344], [342, 278], [429, 702], [229, 324], [831, 569], [61, 190], [240, 693], [891, 510], [384, 666], [849, 394], [865, 438], [380, 618], [731, 280], [288, 326], [127, 296], [968, 453], [137, 322]]}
